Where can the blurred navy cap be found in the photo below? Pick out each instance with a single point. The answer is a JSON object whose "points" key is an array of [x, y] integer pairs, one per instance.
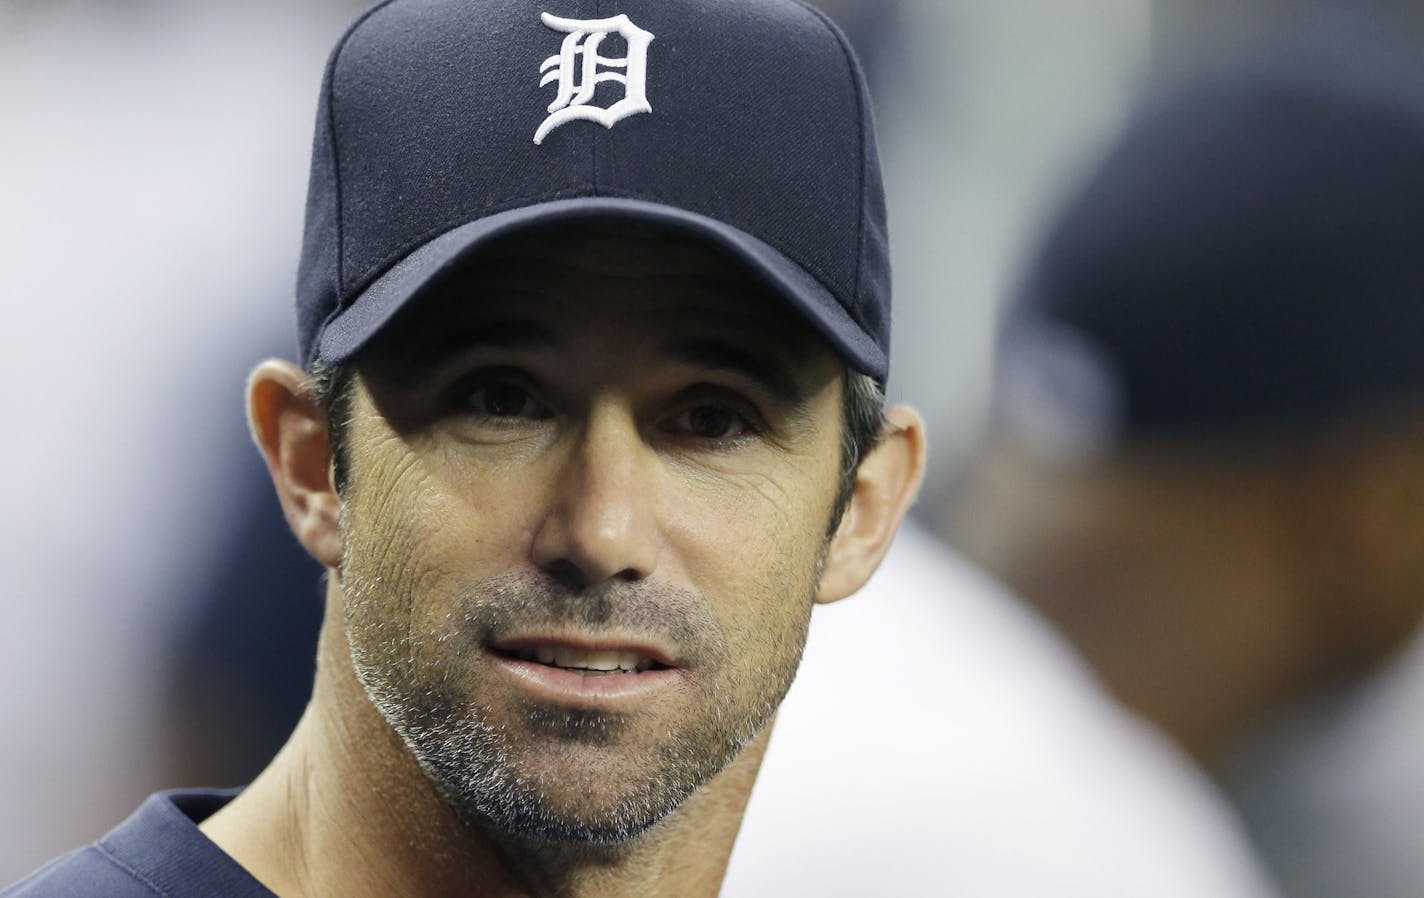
{"points": [[1251, 252], [446, 123]]}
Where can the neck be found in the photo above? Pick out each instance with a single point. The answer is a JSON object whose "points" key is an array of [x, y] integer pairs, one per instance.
{"points": [[344, 809]]}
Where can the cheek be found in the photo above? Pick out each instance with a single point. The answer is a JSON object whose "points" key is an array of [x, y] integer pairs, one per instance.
{"points": [[753, 548], [417, 533]]}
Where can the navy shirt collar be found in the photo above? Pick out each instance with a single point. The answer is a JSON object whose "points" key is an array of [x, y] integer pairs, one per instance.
{"points": [[161, 844]]}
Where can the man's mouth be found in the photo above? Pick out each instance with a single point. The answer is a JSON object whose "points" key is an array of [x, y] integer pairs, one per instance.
{"points": [[589, 662], [605, 671]]}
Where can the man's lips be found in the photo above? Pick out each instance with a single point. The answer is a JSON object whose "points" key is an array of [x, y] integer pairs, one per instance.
{"points": [[576, 669], [602, 655]]}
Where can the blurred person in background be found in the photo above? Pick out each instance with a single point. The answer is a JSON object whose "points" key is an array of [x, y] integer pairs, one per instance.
{"points": [[1207, 458]]}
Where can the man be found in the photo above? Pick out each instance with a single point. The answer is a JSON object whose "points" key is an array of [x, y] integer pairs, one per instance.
{"points": [[1207, 465], [594, 314]]}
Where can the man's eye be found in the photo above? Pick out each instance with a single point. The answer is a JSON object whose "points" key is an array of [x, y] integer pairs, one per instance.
{"points": [[711, 422], [505, 401]]}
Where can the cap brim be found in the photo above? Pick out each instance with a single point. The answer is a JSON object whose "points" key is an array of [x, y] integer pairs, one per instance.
{"points": [[349, 331]]}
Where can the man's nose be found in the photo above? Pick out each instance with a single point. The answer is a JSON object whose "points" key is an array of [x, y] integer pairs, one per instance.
{"points": [[601, 523]]}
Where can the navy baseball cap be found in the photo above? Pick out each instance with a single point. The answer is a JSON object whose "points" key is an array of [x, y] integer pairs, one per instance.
{"points": [[1250, 254], [444, 124]]}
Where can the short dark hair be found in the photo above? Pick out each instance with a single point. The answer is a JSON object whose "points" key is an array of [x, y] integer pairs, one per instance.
{"points": [[862, 404], [863, 424], [331, 387]]}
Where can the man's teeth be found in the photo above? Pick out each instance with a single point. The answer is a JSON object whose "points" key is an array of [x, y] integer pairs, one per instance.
{"points": [[578, 659]]}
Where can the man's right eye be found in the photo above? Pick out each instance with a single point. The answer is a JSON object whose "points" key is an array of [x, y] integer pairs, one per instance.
{"points": [[505, 400]]}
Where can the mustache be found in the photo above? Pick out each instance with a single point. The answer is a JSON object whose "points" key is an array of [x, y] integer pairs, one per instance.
{"points": [[520, 602]]}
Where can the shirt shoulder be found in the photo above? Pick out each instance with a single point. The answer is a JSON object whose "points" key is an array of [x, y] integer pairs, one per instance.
{"points": [[87, 873], [158, 852]]}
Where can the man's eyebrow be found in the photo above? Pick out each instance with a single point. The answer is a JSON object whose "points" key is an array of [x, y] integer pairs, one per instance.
{"points": [[766, 370]]}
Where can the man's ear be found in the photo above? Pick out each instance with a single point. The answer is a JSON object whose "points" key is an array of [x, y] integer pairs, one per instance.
{"points": [[886, 484], [290, 429]]}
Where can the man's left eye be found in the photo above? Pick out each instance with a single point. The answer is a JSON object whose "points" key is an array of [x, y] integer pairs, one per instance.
{"points": [[712, 422], [503, 400]]}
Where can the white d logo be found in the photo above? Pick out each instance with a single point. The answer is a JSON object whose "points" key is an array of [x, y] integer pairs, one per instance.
{"points": [[579, 70]]}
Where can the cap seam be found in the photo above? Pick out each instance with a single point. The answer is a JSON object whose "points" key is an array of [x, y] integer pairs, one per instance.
{"points": [[593, 158], [594, 135], [852, 70]]}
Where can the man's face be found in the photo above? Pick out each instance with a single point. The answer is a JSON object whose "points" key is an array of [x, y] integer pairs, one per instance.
{"points": [[591, 451]]}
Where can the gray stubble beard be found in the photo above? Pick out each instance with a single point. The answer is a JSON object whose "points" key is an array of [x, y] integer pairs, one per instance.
{"points": [[471, 760]]}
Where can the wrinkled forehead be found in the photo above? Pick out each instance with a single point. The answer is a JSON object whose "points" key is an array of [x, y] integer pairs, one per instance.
{"points": [[643, 280]]}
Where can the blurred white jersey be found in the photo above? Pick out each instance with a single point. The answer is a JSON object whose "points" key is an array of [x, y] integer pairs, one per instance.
{"points": [[941, 740]]}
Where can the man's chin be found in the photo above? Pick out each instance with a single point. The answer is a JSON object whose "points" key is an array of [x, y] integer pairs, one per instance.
{"points": [[610, 836], [535, 817], [585, 793]]}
